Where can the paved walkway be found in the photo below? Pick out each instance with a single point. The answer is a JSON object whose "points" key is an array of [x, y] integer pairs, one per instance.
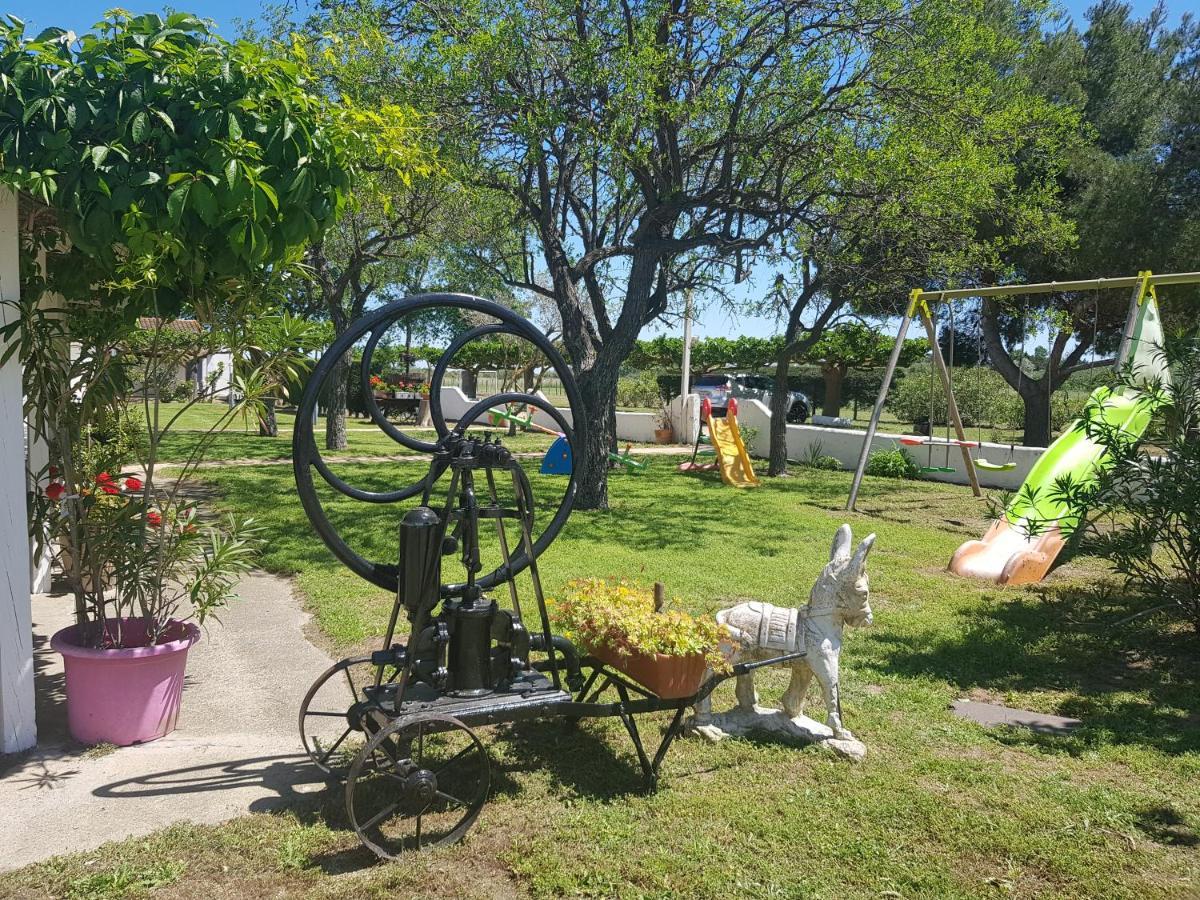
{"points": [[236, 749]]}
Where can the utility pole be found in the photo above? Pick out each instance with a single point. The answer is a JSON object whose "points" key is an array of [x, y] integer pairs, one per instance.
{"points": [[685, 372]]}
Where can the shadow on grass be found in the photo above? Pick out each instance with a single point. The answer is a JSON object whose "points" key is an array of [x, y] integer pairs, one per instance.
{"points": [[1131, 684]]}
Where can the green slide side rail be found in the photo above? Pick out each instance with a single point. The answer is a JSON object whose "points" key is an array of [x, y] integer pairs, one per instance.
{"points": [[1077, 456]]}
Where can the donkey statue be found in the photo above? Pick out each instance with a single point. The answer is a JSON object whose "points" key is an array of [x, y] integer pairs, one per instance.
{"points": [[761, 631]]}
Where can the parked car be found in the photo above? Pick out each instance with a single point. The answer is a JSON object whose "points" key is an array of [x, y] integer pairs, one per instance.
{"points": [[718, 388]]}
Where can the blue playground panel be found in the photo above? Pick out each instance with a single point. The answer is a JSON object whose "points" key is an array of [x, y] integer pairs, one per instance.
{"points": [[557, 460]]}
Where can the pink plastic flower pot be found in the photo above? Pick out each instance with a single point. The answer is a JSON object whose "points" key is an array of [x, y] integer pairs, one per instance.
{"points": [[125, 696]]}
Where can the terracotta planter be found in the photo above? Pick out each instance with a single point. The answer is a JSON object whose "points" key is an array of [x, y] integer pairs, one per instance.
{"points": [[669, 677], [664, 435], [125, 696]]}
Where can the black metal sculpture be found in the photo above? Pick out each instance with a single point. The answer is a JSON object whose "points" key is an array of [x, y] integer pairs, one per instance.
{"points": [[421, 774]]}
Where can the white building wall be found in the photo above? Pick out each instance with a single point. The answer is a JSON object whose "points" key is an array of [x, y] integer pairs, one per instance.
{"points": [[17, 728]]}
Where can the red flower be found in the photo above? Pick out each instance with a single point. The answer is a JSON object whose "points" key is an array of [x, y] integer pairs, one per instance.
{"points": [[104, 478], [55, 491], [110, 489], [133, 484], [154, 517], [190, 528]]}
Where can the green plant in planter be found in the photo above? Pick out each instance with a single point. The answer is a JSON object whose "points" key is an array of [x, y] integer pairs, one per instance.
{"points": [[129, 541], [620, 615]]}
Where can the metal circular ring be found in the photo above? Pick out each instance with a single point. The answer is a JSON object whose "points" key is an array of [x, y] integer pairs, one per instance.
{"points": [[307, 457]]}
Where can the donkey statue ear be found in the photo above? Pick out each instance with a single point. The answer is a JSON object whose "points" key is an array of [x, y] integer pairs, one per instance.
{"points": [[842, 542], [860, 555]]}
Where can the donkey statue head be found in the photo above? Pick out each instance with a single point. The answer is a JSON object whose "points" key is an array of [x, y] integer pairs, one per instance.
{"points": [[842, 590]]}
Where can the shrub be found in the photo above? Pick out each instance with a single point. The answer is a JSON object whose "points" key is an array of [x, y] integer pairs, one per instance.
{"points": [[895, 463], [620, 615], [982, 394], [1140, 512], [640, 391], [815, 459]]}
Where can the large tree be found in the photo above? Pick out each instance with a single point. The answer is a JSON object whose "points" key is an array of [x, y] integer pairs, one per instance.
{"points": [[649, 144], [1133, 83], [409, 224]]}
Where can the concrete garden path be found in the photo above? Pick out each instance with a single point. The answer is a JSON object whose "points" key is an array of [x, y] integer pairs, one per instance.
{"points": [[236, 749]]}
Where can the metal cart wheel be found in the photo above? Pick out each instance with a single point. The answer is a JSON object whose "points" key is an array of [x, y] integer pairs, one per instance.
{"points": [[419, 783], [332, 712]]}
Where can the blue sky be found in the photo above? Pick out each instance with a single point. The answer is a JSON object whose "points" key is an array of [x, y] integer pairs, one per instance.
{"points": [[80, 15]]}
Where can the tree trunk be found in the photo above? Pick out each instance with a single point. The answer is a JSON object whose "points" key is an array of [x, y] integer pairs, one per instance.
{"points": [[595, 435], [777, 455], [835, 376], [1037, 414], [335, 414], [268, 423]]}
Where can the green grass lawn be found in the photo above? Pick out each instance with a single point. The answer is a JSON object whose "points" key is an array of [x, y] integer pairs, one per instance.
{"points": [[940, 807]]}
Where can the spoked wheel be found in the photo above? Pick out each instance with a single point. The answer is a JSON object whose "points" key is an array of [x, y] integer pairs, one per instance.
{"points": [[419, 783], [332, 712]]}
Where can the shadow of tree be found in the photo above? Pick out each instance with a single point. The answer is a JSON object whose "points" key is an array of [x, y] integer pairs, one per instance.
{"points": [[1130, 684]]}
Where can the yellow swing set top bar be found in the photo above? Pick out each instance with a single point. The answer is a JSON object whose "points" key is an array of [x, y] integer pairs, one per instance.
{"points": [[1049, 287]]}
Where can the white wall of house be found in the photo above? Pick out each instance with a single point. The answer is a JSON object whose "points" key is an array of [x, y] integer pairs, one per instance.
{"points": [[218, 365], [17, 728]]}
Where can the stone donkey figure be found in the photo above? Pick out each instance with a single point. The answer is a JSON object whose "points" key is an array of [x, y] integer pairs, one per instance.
{"points": [[762, 631]]}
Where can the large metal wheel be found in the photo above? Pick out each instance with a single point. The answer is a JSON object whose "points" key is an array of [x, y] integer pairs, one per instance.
{"points": [[418, 783], [311, 468], [332, 712]]}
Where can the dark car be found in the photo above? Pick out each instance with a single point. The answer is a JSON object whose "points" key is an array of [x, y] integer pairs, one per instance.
{"points": [[718, 388]]}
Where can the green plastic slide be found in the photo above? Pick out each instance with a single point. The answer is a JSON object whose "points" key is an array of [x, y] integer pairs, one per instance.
{"points": [[1013, 553], [1077, 456]]}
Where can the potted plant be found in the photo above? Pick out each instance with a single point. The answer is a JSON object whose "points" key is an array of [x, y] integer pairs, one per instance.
{"points": [[664, 431], [618, 622], [144, 568], [378, 387]]}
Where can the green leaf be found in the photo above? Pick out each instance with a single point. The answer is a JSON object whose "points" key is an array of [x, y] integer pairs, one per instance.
{"points": [[235, 128], [99, 155], [269, 193], [139, 127], [142, 179], [166, 120], [231, 173], [178, 201], [205, 204]]}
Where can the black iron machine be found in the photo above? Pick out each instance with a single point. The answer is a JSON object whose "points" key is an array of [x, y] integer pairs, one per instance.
{"points": [[406, 743]]}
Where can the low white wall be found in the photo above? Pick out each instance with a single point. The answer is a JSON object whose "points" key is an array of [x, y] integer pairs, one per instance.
{"points": [[844, 445], [631, 426]]}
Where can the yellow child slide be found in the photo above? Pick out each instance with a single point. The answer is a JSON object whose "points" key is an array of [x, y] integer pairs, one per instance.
{"points": [[731, 452]]}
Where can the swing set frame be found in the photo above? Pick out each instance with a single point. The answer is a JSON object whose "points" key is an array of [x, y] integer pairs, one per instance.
{"points": [[920, 306]]}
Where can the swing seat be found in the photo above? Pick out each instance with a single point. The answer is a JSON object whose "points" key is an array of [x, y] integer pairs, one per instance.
{"points": [[982, 463], [926, 470], [912, 441]]}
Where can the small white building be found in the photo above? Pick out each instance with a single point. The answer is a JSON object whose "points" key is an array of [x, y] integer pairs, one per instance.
{"points": [[216, 365]]}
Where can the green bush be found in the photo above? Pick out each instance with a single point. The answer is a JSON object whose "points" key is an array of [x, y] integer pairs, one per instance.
{"points": [[640, 391], [983, 397], [815, 459], [895, 463], [1139, 512]]}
